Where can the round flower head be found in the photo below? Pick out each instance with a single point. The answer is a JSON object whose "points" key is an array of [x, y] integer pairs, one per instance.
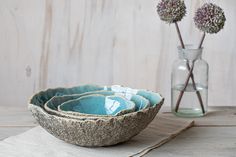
{"points": [[210, 18], [171, 10]]}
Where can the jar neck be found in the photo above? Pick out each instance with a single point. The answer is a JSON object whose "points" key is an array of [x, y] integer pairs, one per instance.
{"points": [[190, 53]]}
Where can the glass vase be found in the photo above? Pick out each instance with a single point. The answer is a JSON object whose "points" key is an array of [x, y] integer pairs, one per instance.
{"points": [[189, 83]]}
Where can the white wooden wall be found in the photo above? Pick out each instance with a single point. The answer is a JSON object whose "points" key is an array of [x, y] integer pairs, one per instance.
{"points": [[50, 43]]}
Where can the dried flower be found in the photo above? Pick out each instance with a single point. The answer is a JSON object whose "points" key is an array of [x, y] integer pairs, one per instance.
{"points": [[210, 18], [171, 10]]}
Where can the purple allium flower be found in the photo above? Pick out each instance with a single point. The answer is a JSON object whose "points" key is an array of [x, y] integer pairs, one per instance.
{"points": [[209, 18], [171, 10]]}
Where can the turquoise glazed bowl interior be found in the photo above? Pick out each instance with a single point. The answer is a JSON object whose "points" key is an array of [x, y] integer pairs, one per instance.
{"points": [[140, 102], [152, 97], [98, 105]]}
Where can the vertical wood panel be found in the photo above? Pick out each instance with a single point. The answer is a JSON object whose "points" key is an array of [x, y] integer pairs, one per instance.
{"points": [[69, 42]]}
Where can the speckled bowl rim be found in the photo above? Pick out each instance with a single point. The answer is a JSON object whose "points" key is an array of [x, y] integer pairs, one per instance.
{"points": [[75, 118], [30, 104]]}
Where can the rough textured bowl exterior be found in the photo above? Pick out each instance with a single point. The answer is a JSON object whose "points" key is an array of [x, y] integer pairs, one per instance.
{"points": [[98, 132]]}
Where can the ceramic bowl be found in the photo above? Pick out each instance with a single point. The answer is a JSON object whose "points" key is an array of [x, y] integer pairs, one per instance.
{"points": [[97, 132], [51, 106], [97, 105]]}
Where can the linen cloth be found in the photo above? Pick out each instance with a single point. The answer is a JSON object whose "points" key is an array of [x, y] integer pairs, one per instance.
{"points": [[37, 142]]}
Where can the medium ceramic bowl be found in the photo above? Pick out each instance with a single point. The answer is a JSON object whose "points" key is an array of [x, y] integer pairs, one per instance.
{"points": [[99, 132], [51, 106], [97, 105]]}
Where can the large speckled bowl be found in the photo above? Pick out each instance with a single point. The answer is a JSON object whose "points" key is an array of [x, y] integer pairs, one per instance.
{"points": [[90, 132]]}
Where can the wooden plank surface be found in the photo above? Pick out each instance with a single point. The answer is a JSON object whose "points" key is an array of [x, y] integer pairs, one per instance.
{"points": [[11, 131], [200, 142], [213, 135], [15, 120], [16, 116], [216, 116]]}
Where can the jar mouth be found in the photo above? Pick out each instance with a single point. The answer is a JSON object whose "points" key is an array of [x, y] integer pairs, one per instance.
{"points": [[190, 52], [190, 47]]}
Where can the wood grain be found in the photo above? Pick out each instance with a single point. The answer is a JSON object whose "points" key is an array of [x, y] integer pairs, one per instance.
{"points": [[46, 43], [200, 141]]}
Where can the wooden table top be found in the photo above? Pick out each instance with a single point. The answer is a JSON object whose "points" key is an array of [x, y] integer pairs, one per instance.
{"points": [[213, 135]]}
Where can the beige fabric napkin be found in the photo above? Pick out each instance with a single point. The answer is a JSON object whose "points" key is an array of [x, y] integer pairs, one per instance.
{"points": [[39, 143]]}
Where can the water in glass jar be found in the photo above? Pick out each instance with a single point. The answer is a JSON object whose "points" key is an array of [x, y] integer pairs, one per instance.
{"points": [[189, 105]]}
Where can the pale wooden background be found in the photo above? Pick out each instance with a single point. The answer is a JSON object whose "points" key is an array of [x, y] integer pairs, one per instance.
{"points": [[50, 43]]}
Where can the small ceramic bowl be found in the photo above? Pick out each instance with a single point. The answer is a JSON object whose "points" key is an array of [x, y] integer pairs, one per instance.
{"points": [[97, 105], [51, 106]]}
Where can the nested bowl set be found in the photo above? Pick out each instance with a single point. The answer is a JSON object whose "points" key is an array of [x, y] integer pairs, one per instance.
{"points": [[92, 115]]}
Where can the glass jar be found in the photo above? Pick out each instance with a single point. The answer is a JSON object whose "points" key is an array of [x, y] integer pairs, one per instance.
{"points": [[189, 83]]}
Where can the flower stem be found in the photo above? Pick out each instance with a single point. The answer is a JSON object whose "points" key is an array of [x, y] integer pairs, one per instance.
{"points": [[179, 35], [182, 91], [195, 88], [202, 39]]}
